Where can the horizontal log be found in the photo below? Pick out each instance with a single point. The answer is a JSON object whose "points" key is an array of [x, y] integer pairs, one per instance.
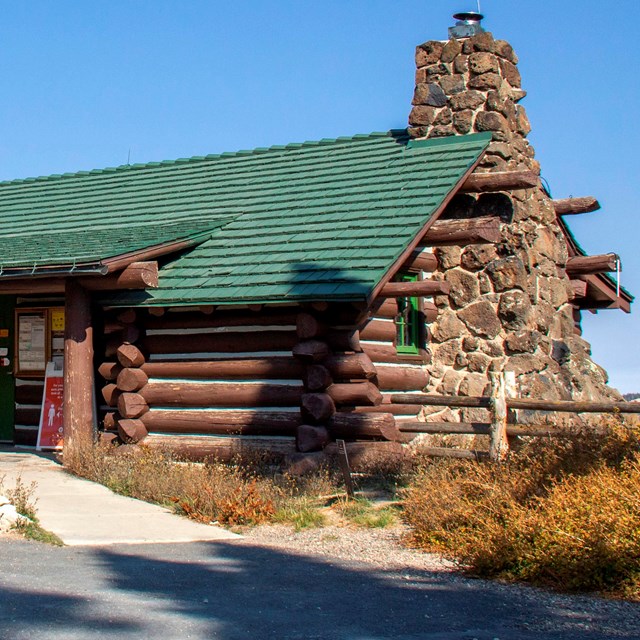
{"points": [[380, 330], [109, 421], [500, 181], [128, 316], [440, 401], [484, 230], [311, 350], [309, 326], [353, 394], [585, 265], [421, 260], [277, 367], [131, 379], [483, 428], [572, 206], [131, 430], [354, 426], [571, 406], [27, 415], [131, 405], [579, 288], [223, 422], [137, 275], [418, 289], [223, 448], [316, 377], [350, 366], [568, 406], [110, 393], [220, 394], [29, 393], [415, 426], [343, 340], [311, 438], [317, 408], [380, 352], [395, 409], [221, 318], [221, 342], [130, 356], [401, 378], [110, 370], [388, 308]]}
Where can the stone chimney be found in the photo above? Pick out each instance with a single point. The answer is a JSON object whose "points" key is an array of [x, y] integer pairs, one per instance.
{"points": [[510, 307], [469, 85]]}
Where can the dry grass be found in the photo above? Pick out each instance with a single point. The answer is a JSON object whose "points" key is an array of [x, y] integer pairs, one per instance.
{"points": [[562, 514]]}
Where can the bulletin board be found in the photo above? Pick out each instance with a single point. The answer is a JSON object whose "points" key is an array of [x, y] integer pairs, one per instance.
{"points": [[32, 343]]}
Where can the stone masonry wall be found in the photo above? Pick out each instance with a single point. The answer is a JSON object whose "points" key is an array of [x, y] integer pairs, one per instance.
{"points": [[510, 304]]}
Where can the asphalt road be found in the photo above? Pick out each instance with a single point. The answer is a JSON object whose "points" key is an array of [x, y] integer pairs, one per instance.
{"points": [[232, 590]]}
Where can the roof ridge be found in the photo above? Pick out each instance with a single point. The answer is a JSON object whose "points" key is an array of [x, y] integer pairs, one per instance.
{"points": [[194, 159]]}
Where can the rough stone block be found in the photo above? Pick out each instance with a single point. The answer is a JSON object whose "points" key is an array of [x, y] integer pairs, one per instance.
{"points": [[481, 319], [422, 115], [510, 73], [491, 121], [467, 100], [507, 273], [451, 50], [515, 310], [447, 327], [483, 63], [430, 94], [461, 64], [522, 342], [524, 127], [428, 53], [476, 256], [452, 85], [485, 81], [505, 50], [464, 287], [483, 42], [463, 121]]}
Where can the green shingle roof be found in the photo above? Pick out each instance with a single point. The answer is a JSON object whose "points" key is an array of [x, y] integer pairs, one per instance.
{"points": [[300, 222]]}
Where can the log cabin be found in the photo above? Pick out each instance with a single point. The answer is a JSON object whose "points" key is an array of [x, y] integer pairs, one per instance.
{"points": [[273, 299]]}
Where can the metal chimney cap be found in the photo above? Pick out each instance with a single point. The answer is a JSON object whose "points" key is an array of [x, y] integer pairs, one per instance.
{"points": [[467, 25], [468, 16]]}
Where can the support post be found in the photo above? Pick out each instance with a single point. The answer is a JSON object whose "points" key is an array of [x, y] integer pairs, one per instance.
{"points": [[499, 446], [79, 423]]}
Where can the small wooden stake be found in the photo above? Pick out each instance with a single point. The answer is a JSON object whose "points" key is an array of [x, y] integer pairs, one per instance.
{"points": [[343, 460]]}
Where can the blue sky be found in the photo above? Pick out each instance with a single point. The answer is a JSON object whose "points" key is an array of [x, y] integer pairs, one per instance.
{"points": [[87, 83]]}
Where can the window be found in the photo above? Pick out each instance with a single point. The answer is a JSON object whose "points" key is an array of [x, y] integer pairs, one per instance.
{"points": [[408, 322]]}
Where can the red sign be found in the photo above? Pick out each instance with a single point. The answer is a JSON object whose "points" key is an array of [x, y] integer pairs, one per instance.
{"points": [[50, 432]]}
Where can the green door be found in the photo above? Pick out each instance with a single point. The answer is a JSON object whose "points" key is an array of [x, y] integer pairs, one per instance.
{"points": [[7, 406]]}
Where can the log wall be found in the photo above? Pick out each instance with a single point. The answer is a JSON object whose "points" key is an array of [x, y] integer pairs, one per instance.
{"points": [[293, 378]]}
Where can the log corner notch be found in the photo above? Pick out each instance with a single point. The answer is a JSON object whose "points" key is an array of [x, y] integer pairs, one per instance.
{"points": [[573, 206]]}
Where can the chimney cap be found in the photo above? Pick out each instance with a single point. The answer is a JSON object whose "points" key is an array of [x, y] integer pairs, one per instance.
{"points": [[468, 16], [467, 25]]}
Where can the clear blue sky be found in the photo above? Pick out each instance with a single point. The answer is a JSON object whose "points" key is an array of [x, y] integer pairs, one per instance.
{"points": [[85, 82]]}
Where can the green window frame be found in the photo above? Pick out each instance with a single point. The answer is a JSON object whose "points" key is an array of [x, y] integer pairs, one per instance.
{"points": [[408, 321]]}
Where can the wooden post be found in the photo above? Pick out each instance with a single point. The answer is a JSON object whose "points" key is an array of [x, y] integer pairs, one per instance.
{"points": [[79, 422], [499, 446]]}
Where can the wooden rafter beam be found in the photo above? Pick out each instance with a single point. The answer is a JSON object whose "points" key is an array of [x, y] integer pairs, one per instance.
{"points": [[500, 181], [584, 265], [573, 206], [579, 288], [421, 260], [418, 289], [484, 230], [137, 275]]}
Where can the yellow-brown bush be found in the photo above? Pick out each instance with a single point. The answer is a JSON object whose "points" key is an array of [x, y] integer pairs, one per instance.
{"points": [[564, 514]]}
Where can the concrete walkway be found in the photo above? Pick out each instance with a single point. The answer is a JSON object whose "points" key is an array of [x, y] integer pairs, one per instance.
{"points": [[85, 513]]}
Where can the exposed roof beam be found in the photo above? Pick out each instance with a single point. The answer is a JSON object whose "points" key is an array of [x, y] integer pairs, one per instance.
{"points": [[462, 232], [417, 288], [572, 206], [602, 263], [500, 181]]}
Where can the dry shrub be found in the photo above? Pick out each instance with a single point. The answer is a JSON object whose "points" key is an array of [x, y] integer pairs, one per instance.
{"points": [[248, 491], [560, 513]]}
